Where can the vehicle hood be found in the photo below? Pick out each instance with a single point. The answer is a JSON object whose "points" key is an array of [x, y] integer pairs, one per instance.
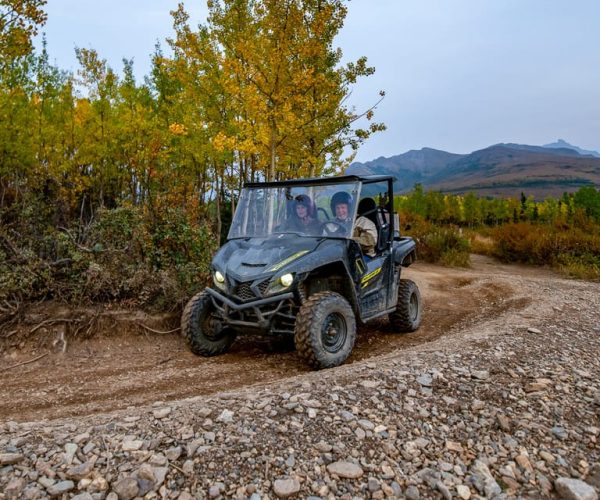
{"points": [[248, 259]]}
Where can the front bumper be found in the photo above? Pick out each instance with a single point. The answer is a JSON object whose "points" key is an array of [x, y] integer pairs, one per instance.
{"points": [[255, 314]]}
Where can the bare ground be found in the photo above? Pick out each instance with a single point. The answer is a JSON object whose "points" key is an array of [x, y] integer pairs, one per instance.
{"points": [[122, 368]]}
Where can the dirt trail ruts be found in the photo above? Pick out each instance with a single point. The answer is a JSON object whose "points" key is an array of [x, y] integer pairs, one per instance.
{"points": [[118, 370]]}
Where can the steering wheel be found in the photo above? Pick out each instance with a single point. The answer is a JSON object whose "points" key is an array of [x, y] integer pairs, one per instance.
{"points": [[333, 228], [324, 211]]}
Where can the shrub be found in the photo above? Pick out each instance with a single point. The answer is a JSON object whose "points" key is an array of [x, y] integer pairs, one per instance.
{"points": [[125, 255], [572, 249], [437, 244]]}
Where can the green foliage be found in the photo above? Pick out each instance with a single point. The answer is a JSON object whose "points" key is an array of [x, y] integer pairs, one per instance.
{"points": [[438, 244], [123, 255]]}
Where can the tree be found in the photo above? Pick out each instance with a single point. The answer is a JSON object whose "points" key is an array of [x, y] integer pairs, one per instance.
{"points": [[19, 23], [280, 72], [588, 198]]}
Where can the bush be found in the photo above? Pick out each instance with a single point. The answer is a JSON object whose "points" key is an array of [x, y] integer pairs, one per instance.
{"points": [[572, 249], [124, 255], [437, 244]]}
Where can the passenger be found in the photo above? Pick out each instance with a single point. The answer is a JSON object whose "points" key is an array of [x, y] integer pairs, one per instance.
{"points": [[304, 219], [365, 231]]}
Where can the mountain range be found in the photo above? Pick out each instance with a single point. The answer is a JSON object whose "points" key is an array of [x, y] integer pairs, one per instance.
{"points": [[498, 170]]}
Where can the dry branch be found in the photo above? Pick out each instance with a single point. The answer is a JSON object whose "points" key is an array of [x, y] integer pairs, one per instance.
{"points": [[24, 363]]}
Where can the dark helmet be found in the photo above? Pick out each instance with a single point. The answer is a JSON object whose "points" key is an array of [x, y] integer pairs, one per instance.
{"points": [[304, 200], [339, 198]]}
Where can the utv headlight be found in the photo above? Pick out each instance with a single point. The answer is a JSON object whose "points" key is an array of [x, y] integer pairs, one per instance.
{"points": [[286, 280], [219, 280]]}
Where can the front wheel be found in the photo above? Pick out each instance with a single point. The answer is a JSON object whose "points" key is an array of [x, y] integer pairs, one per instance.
{"points": [[203, 330], [325, 330], [407, 316]]}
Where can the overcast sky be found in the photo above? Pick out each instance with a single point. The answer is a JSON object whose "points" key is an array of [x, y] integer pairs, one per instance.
{"points": [[459, 75]]}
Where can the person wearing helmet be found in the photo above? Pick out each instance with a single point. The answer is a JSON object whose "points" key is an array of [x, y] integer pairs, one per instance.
{"points": [[303, 219], [365, 231]]}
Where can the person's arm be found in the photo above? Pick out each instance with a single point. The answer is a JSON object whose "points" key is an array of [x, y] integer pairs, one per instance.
{"points": [[365, 234]]}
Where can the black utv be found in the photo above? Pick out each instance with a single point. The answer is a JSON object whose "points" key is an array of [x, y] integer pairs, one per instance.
{"points": [[293, 268]]}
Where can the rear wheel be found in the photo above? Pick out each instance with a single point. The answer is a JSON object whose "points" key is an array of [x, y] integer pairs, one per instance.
{"points": [[203, 330], [325, 330], [407, 316]]}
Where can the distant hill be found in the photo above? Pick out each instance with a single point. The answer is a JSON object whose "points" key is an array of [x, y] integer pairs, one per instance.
{"points": [[560, 144], [499, 170]]}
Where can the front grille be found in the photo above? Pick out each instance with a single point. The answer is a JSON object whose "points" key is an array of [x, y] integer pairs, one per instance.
{"points": [[244, 292], [263, 285]]}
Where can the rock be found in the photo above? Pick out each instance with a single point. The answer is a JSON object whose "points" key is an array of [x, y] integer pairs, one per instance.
{"points": [[412, 493], [347, 470], [285, 488], [70, 450], [484, 481], [173, 453], [560, 432], [366, 424], [10, 458], [524, 463], [574, 489], [480, 374], [454, 446], [80, 471], [347, 415], [83, 496], [162, 413], [13, 489], [58, 489], [98, 485], [503, 422], [533, 330], [443, 489], [323, 447], [593, 476], [463, 491], [126, 489], [425, 380], [535, 387], [131, 444], [373, 484], [146, 471], [226, 416], [184, 495], [46, 482], [215, 490], [547, 457], [159, 475], [370, 384]]}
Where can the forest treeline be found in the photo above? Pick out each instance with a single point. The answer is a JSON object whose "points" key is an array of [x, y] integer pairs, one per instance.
{"points": [[563, 233], [113, 188]]}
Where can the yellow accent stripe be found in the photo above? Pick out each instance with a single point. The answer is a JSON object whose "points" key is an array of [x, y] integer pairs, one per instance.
{"points": [[284, 262], [372, 274]]}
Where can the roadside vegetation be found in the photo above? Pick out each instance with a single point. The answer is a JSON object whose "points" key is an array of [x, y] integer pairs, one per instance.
{"points": [[115, 190], [561, 233]]}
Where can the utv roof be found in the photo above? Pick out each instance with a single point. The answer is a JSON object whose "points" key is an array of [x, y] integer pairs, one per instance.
{"points": [[320, 181]]}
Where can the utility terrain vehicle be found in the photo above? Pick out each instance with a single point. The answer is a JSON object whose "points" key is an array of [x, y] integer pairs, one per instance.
{"points": [[291, 270]]}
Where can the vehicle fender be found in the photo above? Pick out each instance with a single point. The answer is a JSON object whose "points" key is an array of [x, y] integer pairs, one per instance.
{"points": [[405, 252]]}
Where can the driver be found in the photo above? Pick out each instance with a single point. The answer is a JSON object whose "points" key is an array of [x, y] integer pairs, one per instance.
{"points": [[365, 231]]}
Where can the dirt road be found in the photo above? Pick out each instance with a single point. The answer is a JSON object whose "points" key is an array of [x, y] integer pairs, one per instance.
{"points": [[116, 370]]}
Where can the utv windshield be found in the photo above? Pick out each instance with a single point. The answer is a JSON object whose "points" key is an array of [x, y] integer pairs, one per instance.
{"points": [[312, 210]]}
